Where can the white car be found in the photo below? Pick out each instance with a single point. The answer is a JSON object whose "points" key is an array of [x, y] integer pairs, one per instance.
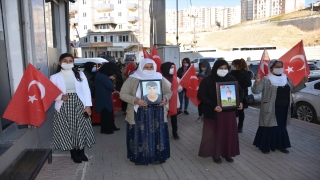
{"points": [[79, 62], [308, 102]]}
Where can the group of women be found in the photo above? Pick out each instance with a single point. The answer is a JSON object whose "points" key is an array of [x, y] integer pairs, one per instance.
{"points": [[147, 128]]}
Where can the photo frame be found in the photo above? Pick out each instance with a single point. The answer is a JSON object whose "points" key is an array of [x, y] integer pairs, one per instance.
{"points": [[228, 95], [151, 91]]}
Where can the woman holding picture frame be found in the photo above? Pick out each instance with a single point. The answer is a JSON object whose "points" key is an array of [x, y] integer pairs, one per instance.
{"points": [[147, 128], [220, 132]]}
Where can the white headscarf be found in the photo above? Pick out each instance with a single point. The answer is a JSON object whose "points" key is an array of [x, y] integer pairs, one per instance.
{"points": [[139, 74], [276, 80]]}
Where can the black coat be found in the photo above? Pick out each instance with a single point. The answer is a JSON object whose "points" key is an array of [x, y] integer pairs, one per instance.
{"points": [[207, 94], [244, 79]]}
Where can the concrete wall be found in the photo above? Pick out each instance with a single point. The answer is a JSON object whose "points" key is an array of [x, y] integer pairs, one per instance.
{"points": [[308, 24]]}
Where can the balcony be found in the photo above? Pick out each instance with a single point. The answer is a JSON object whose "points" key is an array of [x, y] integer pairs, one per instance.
{"points": [[74, 7], [104, 7], [74, 20], [132, 19], [104, 20], [132, 6]]}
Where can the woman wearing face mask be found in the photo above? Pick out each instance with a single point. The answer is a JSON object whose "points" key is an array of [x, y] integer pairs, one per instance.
{"points": [[72, 128], [219, 134], [181, 71], [147, 127], [167, 70], [241, 72], [274, 115], [204, 71], [103, 102]]}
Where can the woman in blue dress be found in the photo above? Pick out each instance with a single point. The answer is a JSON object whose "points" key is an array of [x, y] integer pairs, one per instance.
{"points": [[147, 128]]}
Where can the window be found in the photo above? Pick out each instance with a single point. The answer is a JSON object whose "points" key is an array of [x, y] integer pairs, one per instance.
{"points": [[85, 54], [123, 38], [85, 39], [102, 38], [119, 13], [85, 27], [84, 1], [95, 39], [91, 53], [120, 26], [119, 1], [84, 14]]}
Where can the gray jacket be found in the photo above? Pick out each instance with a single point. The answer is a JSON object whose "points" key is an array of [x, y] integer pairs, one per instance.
{"points": [[267, 116]]}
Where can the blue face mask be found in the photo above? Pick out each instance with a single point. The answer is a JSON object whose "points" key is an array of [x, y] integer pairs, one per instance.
{"points": [[94, 69]]}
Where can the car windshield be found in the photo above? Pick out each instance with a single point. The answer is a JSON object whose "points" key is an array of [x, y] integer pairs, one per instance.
{"points": [[313, 67], [209, 60]]}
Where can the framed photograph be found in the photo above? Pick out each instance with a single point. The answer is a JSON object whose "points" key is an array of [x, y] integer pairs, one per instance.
{"points": [[151, 91], [228, 95]]}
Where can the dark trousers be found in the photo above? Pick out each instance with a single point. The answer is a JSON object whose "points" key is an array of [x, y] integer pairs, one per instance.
{"points": [[174, 124], [124, 106], [107, 121], [200, 109], [241, 118]]}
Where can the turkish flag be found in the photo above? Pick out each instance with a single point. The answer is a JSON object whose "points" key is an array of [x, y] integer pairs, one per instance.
{"points": [[264, 64], [295, 63], [191, 83], [116, 101], [129, 69], [146, 54], [156, 58], [32, 98], [173, 106]]}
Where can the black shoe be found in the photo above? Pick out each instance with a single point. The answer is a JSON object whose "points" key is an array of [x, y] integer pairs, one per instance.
{"points": [[186, 112], [75, 157], [137, 164], [239, 130], [116, 129], [217, 160], [176, 136], [265, 152], [284, 151], [179, 112], [81, 154], [229, 160]]}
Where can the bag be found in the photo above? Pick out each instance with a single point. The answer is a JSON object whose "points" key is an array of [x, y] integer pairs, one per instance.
{"points": [[293, 109], [249, 99]]}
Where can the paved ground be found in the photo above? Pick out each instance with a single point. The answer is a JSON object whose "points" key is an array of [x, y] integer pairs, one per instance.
{"points": [[108, 157]]}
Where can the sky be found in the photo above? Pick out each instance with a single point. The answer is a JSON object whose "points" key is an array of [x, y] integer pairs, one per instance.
{"points": [[183, 4]]}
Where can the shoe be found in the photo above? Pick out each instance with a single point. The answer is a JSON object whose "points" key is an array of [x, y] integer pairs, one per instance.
{"points": [[186, 112], [265, 152], [75, 157], [176, 136], [284, 151], [179, 112], [229, 160], [81, 154], [116, 129], [217, 160], [199, 118], [239, 130], [137, 164]]}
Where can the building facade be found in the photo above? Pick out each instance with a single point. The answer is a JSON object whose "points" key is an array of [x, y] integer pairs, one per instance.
{"points": [[39, 40], [109, 17]]}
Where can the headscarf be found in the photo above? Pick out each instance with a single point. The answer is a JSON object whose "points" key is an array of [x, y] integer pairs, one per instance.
{"points": [[139, 74], [218, 64], [206, 64], [88, 66], [108, 69], [276, 80], [165, 68]]}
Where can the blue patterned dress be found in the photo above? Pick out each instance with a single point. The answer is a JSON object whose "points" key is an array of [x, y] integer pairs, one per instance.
{"points": [[148, 139]]}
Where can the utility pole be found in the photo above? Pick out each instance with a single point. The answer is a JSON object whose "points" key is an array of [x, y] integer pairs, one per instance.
{"points": [[177, 34]]}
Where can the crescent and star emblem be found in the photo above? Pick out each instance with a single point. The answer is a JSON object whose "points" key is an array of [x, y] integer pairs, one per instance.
{"points": [[262, 66], [302, 57], [194, 77], [41, 88]]}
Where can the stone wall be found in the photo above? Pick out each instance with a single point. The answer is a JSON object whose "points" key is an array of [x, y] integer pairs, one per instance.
{"points": [[307, 24]]}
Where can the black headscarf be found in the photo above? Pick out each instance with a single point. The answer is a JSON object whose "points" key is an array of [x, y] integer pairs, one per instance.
{"points": [[214, 70], [88, 67], [165, 68], [108, 69]]}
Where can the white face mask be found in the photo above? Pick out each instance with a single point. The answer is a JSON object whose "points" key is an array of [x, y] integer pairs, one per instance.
{"points": [[222, 72], [66, 66], [278, 71], [148, 72], [171, 70], [204, 69]]}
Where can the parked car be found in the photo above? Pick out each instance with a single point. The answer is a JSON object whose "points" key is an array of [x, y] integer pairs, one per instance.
{"points": [[313, 66], [79, 62], [315, 61], [308, 102], [211, 60]]}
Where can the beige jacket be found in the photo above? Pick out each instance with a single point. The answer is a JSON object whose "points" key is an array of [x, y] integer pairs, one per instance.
{"points": [[267, 117], [128, 94]]}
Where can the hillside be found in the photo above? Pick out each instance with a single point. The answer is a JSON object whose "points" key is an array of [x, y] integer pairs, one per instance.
{"points": [[262, 34]]}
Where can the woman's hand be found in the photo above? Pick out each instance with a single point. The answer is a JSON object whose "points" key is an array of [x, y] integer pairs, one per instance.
{"points": [[218, 109], [163, 102], [140, 102], [64, 97], [240, 106], [257, 78], [304, 79], [87, 109], [112, 77]]}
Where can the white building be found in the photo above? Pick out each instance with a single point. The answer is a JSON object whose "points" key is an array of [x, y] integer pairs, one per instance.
{"points": [[171, 21], [110, 16]]}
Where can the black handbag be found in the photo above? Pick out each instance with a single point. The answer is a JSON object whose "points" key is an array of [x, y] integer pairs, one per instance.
{"points": [[293, 109], [249, 99]]}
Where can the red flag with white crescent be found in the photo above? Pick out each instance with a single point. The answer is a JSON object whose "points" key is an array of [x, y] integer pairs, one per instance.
{"points": [[33, 97], [156, 58], [263, 65], [191, 83], [173, 105], [295, 63]]}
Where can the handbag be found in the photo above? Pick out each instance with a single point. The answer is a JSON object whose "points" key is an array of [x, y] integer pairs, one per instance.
{"points": [[249, 99], [293, 108]]}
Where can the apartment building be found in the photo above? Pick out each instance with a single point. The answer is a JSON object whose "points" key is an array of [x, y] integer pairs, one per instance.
{"points": [[94, 21], [171, 21], [231, 16], [265, 8]]}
